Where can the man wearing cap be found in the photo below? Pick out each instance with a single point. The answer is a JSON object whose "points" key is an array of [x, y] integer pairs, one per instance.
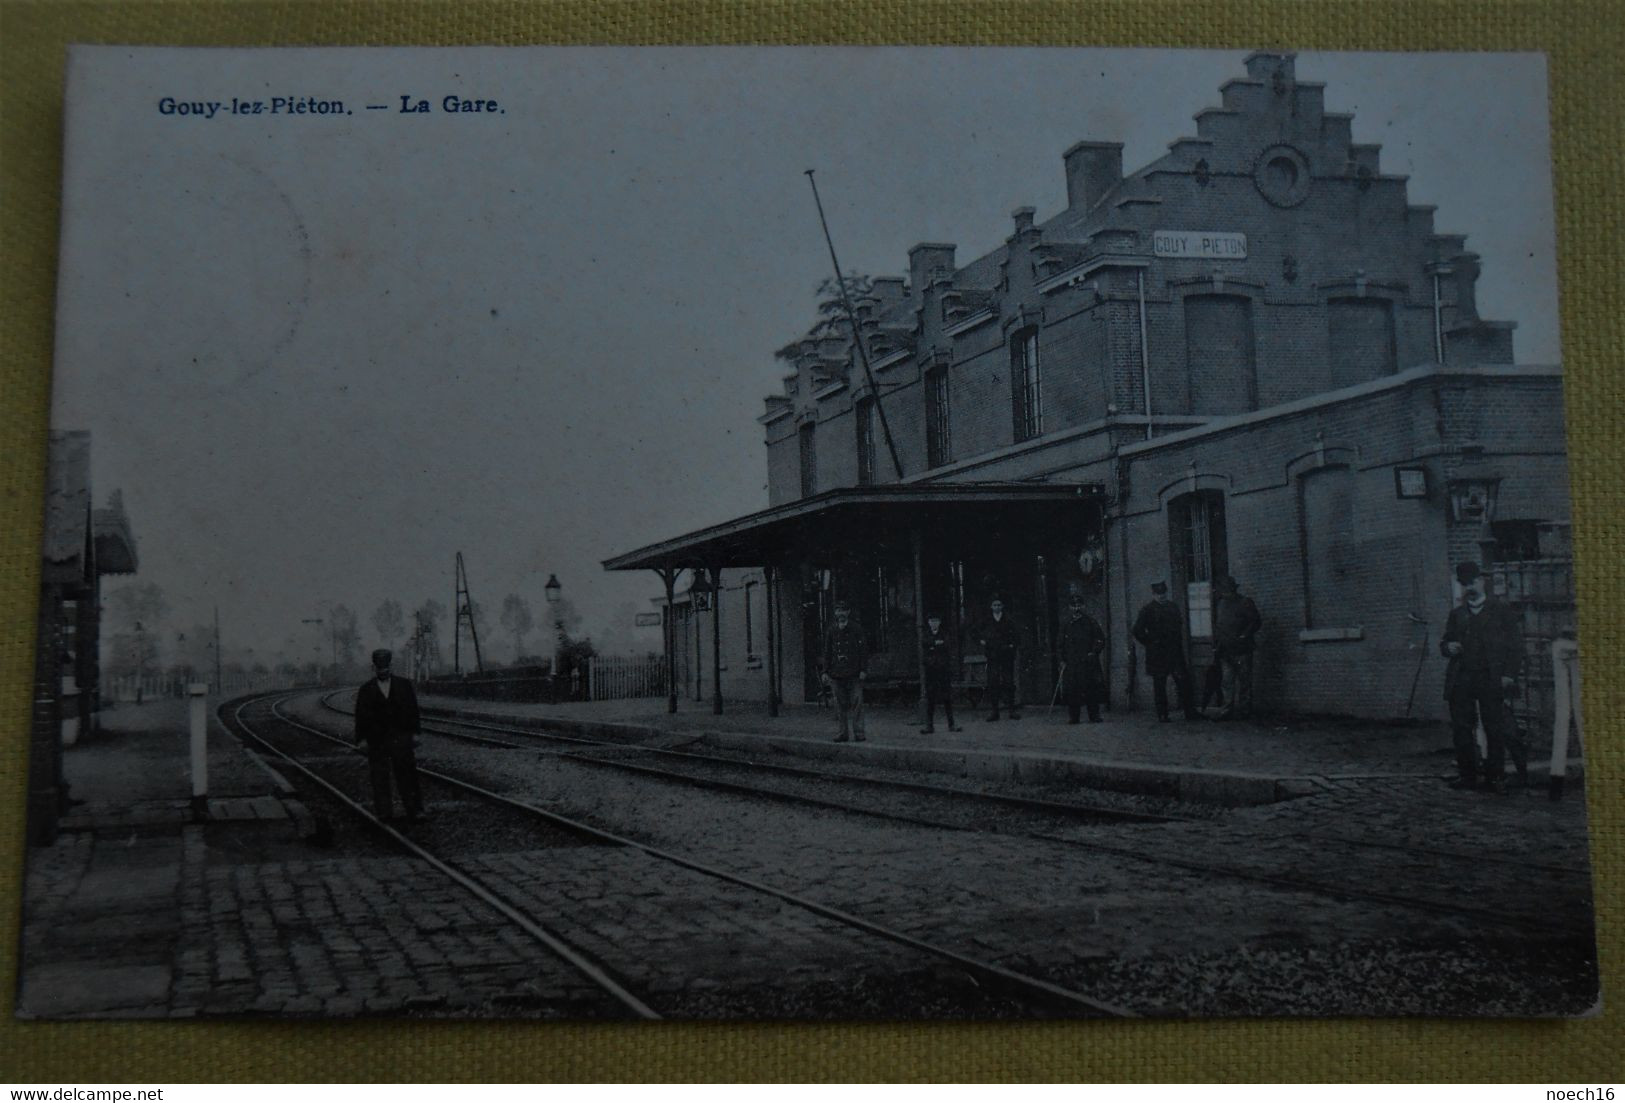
{"points": [[1235, 623], [386, 720], [845, 661], [1160, 628], [999, 645], [1082, 682], [1483, 639]]}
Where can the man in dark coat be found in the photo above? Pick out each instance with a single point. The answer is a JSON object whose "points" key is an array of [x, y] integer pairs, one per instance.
{"points": [[939, 655], [1235, 623], [386, 720], [845, 664], [1483, 639], [999, 645], [1082, 682], [1160, 628]]}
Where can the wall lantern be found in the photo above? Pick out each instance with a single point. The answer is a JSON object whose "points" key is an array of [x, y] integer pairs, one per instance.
{"points": [[701, 590], [1472, 498], [551, 590]]}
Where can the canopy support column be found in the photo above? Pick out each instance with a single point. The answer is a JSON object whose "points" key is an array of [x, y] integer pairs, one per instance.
{"points": [[919, 617], [769, 581], [668, 575], [716, 639]]}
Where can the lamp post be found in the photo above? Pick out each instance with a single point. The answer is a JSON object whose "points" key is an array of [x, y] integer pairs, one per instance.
{"points": [[140, 661], [551, 591]]}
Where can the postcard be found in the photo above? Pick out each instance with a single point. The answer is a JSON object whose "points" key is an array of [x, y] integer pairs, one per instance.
{"points": [[792, 533]]}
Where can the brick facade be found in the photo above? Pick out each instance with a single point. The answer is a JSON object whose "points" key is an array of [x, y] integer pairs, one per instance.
{"points": [[1326, 336]]}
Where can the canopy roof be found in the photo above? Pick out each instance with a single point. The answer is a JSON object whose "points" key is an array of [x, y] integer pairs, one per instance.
{"points": [[769, 536]]}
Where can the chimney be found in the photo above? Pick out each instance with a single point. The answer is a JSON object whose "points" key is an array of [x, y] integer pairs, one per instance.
{"points": [[1023, 217], [888, 289], [1092, 170], [1265, 66], [926, 260]]}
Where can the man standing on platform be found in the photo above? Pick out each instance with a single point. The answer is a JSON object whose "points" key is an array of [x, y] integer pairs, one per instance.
{"points": [[1235, 623], [1082, 681], [999, 645], [845, 661], [939, 655], [1160, 628], [1483, 639], [386, 720]]}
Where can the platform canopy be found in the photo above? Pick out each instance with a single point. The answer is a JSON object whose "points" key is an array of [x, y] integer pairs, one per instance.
{"points": [[779, 533]]}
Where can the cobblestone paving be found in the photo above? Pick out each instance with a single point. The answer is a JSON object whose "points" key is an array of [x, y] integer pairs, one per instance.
{"points": [[342, 936]]}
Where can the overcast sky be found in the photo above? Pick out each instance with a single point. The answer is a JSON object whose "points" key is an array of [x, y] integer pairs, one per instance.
{"points": [[321, 355]]}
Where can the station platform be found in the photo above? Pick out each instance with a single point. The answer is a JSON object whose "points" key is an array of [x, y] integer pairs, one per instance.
{"points": [[105, 905], [1238, 762]]}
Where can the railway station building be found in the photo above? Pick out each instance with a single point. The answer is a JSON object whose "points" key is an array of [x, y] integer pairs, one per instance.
{"points": [[1253, 356]]}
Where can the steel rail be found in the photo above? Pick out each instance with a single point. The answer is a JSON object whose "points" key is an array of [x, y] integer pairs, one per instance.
{"points": [[1022, 982], [570, 954], [1065, 808], [1279, 881]]}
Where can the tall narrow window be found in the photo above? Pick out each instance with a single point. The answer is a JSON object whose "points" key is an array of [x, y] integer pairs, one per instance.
{"points": [[1330, 550], [1197, 537], [1219, 354], [1026, 392], [879, 637], [808, 436], [937, 446], [863, 415]]}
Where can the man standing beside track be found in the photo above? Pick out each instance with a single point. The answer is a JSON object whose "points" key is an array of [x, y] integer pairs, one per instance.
{"points": [[386, 720]]}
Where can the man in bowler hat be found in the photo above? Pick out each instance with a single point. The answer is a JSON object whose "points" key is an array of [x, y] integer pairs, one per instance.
{"points": [[999, 645], [1235, 623], [1483, 639], [1160, 628], [386, 720]]}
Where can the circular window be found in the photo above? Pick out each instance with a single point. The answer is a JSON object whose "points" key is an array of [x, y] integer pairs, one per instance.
{"points": [[1282, 176]]}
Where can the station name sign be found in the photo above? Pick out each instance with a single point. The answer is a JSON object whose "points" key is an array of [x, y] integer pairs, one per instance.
{"points": [[1199, 245]]}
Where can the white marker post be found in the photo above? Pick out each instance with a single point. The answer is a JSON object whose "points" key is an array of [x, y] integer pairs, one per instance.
{"points": [[198, 692], [1566, 683]]}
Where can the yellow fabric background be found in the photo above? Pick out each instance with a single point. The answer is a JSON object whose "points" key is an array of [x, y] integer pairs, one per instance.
{"points": [[1585, 43]]}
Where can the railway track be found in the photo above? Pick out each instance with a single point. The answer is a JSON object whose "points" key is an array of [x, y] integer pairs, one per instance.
{"points": [[700, 770], [1034, 992]]}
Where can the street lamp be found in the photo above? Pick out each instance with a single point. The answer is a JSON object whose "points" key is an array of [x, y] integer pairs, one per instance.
{"points": [[551, 591]]}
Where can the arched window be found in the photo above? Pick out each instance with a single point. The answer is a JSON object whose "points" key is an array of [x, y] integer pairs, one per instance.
{"points": [[1200, 552], [1219, 354]]}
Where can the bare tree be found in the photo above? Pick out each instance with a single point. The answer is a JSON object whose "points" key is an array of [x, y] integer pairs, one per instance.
{"points": [[137, 602], [517, 621], [389, 622]]}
